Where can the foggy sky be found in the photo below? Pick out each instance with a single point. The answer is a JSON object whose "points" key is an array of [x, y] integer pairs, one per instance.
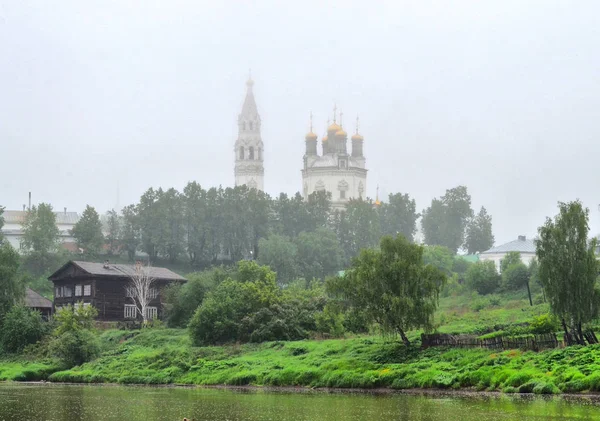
{"points": [[100, 97]]}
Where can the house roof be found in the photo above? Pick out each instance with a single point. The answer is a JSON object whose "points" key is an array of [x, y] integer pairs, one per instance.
{"points": [[120, 270], [522, 245], [18, 217], [35, 300]]}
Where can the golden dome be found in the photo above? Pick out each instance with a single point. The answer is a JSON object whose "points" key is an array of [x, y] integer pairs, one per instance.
{"points": [[311, 136], [325, 138], [333, 128], [357, 137], [341, 133]]}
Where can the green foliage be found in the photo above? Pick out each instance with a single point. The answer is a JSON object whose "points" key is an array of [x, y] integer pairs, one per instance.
{"points": [[479, 236], [319, 254], [74, 318], [21, 327], [75, 347], [515, 276], [281, 255], [40, 233], [568, 267], [483, 277], [113, 232], [88, 232], [181, 301], [440, 257], [357, 227], [219, 317], [444, 222], [544, 323], [11, 287], [399, 216], [1, 222], [392, 286]]}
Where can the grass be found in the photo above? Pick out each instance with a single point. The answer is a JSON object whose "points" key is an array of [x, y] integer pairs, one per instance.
{"points": [[166, 356]]}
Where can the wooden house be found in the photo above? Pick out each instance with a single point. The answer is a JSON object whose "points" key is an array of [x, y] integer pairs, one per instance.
{"points": [[107, 287], [35, 301]]}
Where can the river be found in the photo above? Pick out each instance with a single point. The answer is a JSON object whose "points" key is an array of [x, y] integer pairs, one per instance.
{"points": [[23, 402]]}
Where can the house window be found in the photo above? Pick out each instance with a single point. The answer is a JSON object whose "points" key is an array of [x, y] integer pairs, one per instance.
{"points": [[86, 305], [343, 194], [153, 293], [130, 311], [58, 292], [87, 290], [129, 292], [151, 313], [67, 292], [78, 290]]}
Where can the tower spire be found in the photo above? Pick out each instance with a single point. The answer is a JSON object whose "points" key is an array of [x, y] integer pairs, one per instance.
{"points": [[356, 123], [334, 112], [341, 116], [311, 122]]}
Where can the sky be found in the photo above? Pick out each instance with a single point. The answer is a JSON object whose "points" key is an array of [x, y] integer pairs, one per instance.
{"points": [[100, 100]]}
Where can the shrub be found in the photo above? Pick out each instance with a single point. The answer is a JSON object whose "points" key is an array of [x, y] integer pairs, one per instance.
{"points": [[75, 347], [544, 323], [21, 327], [483, 278], [74, 318]]}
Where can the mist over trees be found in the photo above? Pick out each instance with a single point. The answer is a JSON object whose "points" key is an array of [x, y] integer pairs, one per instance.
{"points": [[445, 221]]}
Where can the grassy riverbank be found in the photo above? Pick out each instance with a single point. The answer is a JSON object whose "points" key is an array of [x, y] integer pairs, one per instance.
{"points": [[166, 356]]}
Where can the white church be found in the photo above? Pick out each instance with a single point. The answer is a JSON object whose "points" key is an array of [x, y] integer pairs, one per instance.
{"points": [[336, 170]]}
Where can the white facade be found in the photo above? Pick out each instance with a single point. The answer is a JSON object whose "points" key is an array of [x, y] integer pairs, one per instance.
{"points": [[13, 226], [336, 171], [522, 245], [249, 169]]}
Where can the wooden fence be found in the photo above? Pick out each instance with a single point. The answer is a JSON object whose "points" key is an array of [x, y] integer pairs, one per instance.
{"points": [[532, 343]]}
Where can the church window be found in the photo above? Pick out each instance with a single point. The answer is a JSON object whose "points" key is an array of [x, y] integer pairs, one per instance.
{"points": [[251, 152], [260, 154], [342, 194], [241, 152], [251, 126], [320, 186], [244, 125]]}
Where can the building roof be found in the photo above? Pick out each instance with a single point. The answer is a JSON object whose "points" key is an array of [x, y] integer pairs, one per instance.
{"points": [[18, 217], [120, 270], [521, 244], [35, 300], [473, 258]]}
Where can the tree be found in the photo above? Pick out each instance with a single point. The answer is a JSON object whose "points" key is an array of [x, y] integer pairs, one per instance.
{"points": [[113, 232], [11, 287], [483, 277], [223, 314], [1, 222], [40, 233], [195, 222], [399, 216], [393, 286], [357, 227], [511, 258], [129, 234], [319, 254], [149, 222], [444, 222], [141, 289], [169, 217], [479, 236], [568, 268], [440, 257], [88, 232], [21, 327], [280, 254], [516, 276]]}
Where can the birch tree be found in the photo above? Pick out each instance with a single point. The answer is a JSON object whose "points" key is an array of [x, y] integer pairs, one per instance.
{"points": [[141, 289]]}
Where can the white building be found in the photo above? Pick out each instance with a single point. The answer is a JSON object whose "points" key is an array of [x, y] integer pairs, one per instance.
{"points": [[249, 169], [521, 244], [13, 226], [336, 171]]}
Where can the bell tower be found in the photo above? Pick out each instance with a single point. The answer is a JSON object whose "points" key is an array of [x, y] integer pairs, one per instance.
{"points": [[249, 169]]}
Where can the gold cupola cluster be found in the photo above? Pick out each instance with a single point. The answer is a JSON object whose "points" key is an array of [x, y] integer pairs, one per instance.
{"points": [[335, 139]]}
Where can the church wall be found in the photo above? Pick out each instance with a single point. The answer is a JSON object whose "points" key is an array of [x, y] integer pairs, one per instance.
{"points": [[331, 179]]}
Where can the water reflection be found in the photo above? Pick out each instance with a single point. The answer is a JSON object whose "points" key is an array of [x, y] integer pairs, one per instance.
{"points": [[107, 403]]}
